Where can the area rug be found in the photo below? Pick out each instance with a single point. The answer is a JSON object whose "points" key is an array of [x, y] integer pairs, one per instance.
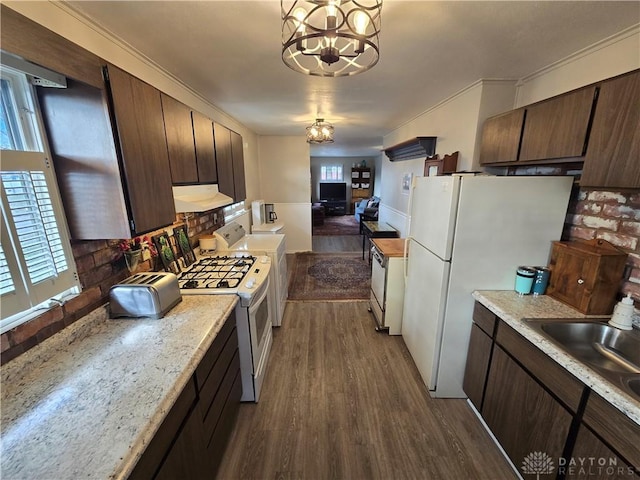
{"points": [[338, 225], [329, 276]]}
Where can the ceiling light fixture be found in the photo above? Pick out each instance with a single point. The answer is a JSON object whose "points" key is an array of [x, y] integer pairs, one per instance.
{"points": [[330, 38], [320, 132]]}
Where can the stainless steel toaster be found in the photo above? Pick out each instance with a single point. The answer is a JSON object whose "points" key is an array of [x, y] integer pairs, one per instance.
{"points": [[148, 294]]}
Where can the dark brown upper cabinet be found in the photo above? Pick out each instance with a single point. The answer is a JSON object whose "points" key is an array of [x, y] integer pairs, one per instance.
{"points": [[230, 160], [180, 144], [190, 144], [224, 158], [558, 127], [137, 114], [205, 151], [237, 153], [501, 137], [31, 41], [613, 153], [109, 150]]}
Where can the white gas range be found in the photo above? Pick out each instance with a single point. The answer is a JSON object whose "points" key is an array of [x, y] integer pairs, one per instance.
{"points": [[247, 276], [233, 238]]}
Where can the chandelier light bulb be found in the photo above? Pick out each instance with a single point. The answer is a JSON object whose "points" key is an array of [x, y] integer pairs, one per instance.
{"points": [[361, 21], [299, 14]]}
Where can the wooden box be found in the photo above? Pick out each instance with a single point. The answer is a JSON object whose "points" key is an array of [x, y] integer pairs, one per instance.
{"points": [[586, 275]]}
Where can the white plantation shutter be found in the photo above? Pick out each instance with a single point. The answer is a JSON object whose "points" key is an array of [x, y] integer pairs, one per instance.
{"points": [[35, 223], [6, 283], [32, 218], [331, 173], [36, 262]]}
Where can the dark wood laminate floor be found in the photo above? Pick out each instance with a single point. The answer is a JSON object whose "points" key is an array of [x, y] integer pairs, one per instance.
{"points": [[341, 401], [336, 243]]}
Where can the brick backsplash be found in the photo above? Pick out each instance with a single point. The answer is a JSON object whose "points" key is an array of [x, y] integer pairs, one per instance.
{"points": [[100, 265], [614, 216]]}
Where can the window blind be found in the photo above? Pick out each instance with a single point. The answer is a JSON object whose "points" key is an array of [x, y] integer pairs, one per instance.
{"points": [[35, 223], [6, 283]]}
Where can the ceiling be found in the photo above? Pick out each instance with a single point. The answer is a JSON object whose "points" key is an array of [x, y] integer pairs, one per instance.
{"points": [[230, 53]]}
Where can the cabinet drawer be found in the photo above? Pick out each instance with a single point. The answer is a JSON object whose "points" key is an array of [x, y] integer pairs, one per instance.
{"points": [[484, 318], [213, 416], [618, 430], [554, 377], [206, 364], [212, 384]]}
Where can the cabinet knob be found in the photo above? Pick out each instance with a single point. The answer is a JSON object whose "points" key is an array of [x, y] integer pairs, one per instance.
{"points": [[580, 281]]}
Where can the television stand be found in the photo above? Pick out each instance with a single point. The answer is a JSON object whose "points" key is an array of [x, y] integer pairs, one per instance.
{"points": [[334, 207]]}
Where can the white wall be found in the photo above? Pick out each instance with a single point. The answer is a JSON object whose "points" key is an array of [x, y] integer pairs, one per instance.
{"points": [[455, 122], [608, 58], [63, 21], [285, 180]]}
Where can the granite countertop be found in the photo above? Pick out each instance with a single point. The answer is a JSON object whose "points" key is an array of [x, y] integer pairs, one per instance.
{"points": [[86, 402], [513, 309]]}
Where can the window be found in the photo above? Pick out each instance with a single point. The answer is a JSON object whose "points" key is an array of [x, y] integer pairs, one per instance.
{"points": [[331, 173], [233, 211], [36, 263]]}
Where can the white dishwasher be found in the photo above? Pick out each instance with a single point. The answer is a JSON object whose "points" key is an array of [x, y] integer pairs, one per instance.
{"points": [[387, 284]]}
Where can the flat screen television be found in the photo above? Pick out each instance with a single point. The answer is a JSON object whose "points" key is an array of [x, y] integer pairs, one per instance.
{"points": [[333, 191]]}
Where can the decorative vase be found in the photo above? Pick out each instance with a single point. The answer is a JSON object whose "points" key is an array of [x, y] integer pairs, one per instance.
{"points": [[132, 258]]}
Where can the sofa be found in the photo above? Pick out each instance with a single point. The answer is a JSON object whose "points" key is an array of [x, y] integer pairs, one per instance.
{"points": [[367, 207]]}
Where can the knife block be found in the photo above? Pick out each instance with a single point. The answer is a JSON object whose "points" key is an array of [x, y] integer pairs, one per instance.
{"points": [[586, 275]]}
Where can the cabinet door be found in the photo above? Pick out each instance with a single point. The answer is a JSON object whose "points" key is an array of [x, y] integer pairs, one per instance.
{"points": [[501, 137], [237, 152], [557, 128], [592, 458], [182, 155], [475, 373], [520, 413], [205, 150], [614, 427], [224, 159], [138, 115], [613, 154]]}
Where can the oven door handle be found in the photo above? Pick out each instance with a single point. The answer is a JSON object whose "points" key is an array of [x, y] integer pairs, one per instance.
{"points": [[256, 302]]}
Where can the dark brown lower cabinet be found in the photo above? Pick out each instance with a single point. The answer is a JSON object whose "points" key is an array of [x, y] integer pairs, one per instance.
{"points": [[522, 415], [193, 436], [533, 406], [475, 374], [592, 458]]}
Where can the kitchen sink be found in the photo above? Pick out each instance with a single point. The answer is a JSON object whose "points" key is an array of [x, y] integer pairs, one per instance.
{"points": [[612, 352], [634, 385]]}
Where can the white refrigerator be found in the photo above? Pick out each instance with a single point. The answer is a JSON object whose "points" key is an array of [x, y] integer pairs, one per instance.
{"points": [[470, 233]]}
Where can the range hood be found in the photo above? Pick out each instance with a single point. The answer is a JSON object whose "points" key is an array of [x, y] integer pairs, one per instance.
{"points": [[199, 198]]}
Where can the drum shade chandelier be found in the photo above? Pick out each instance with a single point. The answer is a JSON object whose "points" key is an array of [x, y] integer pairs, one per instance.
{"points": [[320, 132], [330, 38]]}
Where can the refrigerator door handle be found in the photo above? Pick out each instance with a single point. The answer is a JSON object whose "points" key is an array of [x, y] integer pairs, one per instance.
{"points": [[405, 259]]}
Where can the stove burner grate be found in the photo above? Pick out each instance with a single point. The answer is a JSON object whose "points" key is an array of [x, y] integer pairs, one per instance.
{"points": [[216, 272]]}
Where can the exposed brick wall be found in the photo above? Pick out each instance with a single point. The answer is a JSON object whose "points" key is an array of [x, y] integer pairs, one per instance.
{"points": [[614, 216], [100, 265]]}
